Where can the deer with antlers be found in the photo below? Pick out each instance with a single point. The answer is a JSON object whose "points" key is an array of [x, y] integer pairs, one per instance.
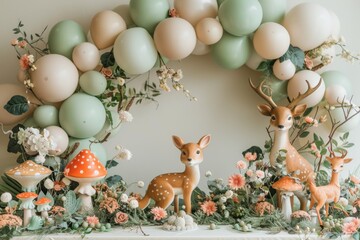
{"points": [[324, 195], [281, 119]]}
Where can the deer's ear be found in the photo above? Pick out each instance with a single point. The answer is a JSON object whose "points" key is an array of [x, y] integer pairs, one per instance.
{"points": [[328, 158], [299, 110], [347, 160], [265, 109], [178, 142], [204, 141]]}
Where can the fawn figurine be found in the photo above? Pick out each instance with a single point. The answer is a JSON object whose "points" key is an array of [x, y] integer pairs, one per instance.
{"points": [[281, 119], [324, 195], [166, 188]]}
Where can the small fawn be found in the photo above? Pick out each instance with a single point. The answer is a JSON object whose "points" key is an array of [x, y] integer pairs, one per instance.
{"points": [[166, 188], [324, 195], [281, 119]]}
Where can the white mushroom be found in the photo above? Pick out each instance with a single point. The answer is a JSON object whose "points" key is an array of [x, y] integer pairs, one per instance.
{"points": [[43, 206], [27, 205]]}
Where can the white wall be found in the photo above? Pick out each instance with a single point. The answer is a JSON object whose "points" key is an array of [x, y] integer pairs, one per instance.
{"points": [[226, 107]]}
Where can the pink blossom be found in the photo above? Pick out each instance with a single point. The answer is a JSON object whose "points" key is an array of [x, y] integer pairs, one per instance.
{"points": [[250, 156], [106, 72], [159, 213], [92, 219], [241, 165], [249, 173], [309, 120], [22, 44], [309, 63], [208, 207], [313, 147], [260, 174], [14, 42], [121, 218], [349, 228], [236, 181], [356, 222], [24, 62]]}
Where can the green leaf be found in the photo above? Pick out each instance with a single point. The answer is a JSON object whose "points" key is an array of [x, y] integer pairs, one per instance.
{"points": [[36, 223], [304, 134], [111, 163], [296, 56], [72, 204], [112, 180], [346, 135], [107, 59], [17, 105], [327, 164], [307, 111], [13, 146], [266, 67]]}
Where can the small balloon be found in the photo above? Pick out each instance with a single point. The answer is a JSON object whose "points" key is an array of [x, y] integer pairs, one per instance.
{"points": [[93, 83], [335, 94], [209, 31], [30, 122], [201, 48], [86, 56], [335, 77], [46, 115], [194, 11], [59, 136], [273, 10], [284, 70]]}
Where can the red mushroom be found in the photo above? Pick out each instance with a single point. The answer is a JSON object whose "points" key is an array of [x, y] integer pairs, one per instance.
{"points": [[43, 206], [85, 169], [27, 204]]}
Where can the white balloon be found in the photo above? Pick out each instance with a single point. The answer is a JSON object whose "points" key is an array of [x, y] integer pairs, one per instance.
{"points": [[284, 70], [201, 48], [298, 84], [60, 137], [335, 94], [335, 23]]}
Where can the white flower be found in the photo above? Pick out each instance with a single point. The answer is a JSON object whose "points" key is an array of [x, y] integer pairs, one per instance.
{"points": [[6, 197], [40, 159], [208, 174], [63, 198], [124, 154], [124, 197], [121, 81], [66, 181], [49, 184], [125, 116], [134, 204], [140, 184], [229, 194], [223, 199], [343, 202]]}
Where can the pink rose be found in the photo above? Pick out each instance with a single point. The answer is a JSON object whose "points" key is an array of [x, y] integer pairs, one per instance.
{"points": [[121, 218], [250, 156], [260, 174], [249, 173], [241, 165]]}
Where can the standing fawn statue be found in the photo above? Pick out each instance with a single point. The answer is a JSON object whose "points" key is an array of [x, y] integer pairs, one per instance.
{"points": [[324, 195], [281, 119], [166, 188]]}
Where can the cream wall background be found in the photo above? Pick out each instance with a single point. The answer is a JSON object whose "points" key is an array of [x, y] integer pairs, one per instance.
{"points": [[226, 108]]}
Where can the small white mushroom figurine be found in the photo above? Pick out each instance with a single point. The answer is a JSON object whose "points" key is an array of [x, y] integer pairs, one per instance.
{"points": [[27, 205], [85, 169], [43, 206]]}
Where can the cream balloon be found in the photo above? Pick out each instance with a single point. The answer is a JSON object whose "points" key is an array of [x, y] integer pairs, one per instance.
{"points": [[201, 48], [254, 60], [175, 38], [86, 56], [309, 25], [271, 40], [284, 70], [105, 26], [209, 31], [55, 79], [298, 84], [60, 137], [336, 26], [194, 11], [335, 94]]}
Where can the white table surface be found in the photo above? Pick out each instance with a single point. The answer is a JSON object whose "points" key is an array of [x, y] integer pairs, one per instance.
{"points": [[203, 232]]}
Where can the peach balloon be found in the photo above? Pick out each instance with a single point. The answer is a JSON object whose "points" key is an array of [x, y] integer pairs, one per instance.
{"points": [[175, 38], [209, 30], [105, 26], [284, 70], [201, 48], [194, 11], [86, 56], [271, 40], [55, 79]]}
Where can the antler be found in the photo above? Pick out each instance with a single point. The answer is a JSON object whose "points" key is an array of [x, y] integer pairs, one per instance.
{"points": [[343, 153], [259, 91], [308, 92], [332, 154]]}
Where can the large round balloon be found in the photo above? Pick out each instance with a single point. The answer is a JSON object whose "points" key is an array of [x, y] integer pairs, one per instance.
{"points": [[134, 51], [298, 85], [338, 116], [335, 23], [193, 11], [148, 14], [335, 94], [7, 91], [284, 70], [209, 30], [175, 38], [46, 115], [82, 115], [308, 25], [105, 27], [201, 48], [97, 148], [93, 83], [108, 127], [55, 79], [335, 77], [271, 40], [86, 56], [59, 136], [64, 36], [124, 11], [240, 17], [273, 10], [231, 52], [279, 89]]}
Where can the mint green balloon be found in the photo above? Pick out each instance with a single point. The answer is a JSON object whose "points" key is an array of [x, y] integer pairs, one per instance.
{"points": [[231, 52], [148, 13], [110, 127], [279, 89], [93, 83], [46, 115], [30, 122], [337, 78], [273, 10], [240, 17], [97, 148], [64, 36], [219, 2], [82, 115]]}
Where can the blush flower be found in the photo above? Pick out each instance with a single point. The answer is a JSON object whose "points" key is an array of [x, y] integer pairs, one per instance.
{"points": [[92, 220], [260, 174], [241, 165], [236, 181], [106, 72], [121, 218], [208, 207], [24, 62], [349, 228], [249, 173], [22, 44], [14, 42], [159, 213], [309, 120], [250, 156]]}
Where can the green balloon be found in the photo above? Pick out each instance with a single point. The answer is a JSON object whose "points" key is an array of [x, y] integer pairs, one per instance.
{"points": [[231, 52], [30, 122], [240, 17], [109, 127], [279, 89], [219, 2], [148, 14], [96, 148], [273, 10], [64, 36], [93, 83], [337, 78], [46, 115], [82, 115]]}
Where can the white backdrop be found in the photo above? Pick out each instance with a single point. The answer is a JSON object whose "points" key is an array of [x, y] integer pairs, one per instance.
{"points": [[226, 108]]}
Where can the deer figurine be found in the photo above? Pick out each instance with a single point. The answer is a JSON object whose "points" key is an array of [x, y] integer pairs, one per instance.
{"points": [[166, 188], [324, 195], [281, 119]]}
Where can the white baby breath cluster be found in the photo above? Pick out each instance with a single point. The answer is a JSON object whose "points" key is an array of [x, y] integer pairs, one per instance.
{"points": [[134, 204], [6, 197], [49, 184], [140, 184], [124, 197], [208, 174], [125, 116], [123, 153], [229, 194], [121, 81]]}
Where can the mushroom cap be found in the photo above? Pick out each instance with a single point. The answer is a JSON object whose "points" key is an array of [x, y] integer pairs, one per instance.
{"points": [[43, 201], [287, 184], [26, 195], [29, 168], [85, 165]]}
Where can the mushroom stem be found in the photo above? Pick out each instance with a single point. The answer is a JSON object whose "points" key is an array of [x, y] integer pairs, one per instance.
{"points": [[27, 216], [286, 205], [86, 203], [44, 214]]}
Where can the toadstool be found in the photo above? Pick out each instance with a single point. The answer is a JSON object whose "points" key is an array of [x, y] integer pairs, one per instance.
{"points": [[27, 205], [85, 169], [28, 174], [43, 206], [287, 185]]}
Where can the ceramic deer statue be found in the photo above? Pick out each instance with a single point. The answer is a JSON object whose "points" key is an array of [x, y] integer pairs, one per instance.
{"points": [[324, 195], [166, 188], [281, 119]]}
